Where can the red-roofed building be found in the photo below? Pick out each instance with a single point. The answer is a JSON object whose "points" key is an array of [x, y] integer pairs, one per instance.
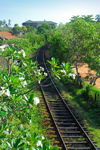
{"points": [[6, 35]]}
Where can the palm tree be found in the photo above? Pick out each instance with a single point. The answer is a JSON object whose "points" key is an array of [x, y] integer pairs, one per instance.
{"points": [[9, 22], [4, 23], [0, 23], [97, 17]]}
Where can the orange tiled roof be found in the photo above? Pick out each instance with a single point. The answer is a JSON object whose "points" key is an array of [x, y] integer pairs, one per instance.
{"points": [[7, 35]]}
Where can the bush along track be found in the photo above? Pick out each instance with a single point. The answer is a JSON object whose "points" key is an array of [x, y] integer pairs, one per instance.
{"points": [[20, 114]]}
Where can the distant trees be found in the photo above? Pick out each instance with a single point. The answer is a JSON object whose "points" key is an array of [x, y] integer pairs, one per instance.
{"points": [[97, 18], [16, 29], [44, 29], [9, 22], [30, 28], [4, 26], [4, 23], [0, 23], [88, 18]]}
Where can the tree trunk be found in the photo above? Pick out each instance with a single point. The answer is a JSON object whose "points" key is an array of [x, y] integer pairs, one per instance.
{"points": [[93, 80], [76, 64]]}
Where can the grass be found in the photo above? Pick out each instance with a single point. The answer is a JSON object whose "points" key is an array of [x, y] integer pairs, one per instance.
{"points": [[83, 107]]}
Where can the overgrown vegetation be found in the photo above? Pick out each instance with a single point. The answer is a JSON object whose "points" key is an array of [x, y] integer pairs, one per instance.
{"points": [[84, 107], [76, 40], [81, 98], [19, 103], [20, 113]]}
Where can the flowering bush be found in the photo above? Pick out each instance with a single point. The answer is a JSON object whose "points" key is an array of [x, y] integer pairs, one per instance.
{"points": [[18, 103], [36, 100], [61, 70]]}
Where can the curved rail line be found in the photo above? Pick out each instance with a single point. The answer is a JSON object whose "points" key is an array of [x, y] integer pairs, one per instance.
{"points": [[72, 134]]}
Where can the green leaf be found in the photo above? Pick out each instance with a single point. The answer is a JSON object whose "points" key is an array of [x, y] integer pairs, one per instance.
{"points": [[17, 142], [2, 136], [30, 100], [2, 113]]}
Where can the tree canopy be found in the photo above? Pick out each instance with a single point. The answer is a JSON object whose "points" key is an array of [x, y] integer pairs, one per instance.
{"points": [[74, 40]]}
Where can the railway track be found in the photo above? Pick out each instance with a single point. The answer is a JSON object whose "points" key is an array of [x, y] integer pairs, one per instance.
{"points": [[72, 134]]}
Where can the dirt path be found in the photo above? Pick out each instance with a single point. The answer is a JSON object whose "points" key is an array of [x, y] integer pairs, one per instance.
{"points": [[84, 71]]}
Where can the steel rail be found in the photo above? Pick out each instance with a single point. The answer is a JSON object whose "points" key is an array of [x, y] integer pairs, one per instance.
{"points": [[41, 87], [82, 130], [93, 147], [53, 119]]}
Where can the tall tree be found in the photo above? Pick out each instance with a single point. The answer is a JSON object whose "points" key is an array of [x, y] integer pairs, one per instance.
{"points": [[4, 23], [44, 29], [0, 23], [74, 18], [88, 18], [16, 30], [97, 18], [9, 22]]}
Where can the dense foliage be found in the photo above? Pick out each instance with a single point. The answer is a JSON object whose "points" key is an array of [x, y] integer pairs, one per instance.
{"points": [[20, 114], [44, 29], [19, 104], [79, 39]]}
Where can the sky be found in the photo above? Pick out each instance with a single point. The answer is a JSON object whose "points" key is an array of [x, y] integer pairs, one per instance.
{"points": [[59, 11]]}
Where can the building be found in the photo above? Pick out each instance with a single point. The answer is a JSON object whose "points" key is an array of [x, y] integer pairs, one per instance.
{"points": [[37, 23]]}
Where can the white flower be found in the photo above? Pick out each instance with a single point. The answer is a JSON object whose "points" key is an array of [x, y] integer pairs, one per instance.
{"points": [[63, 71], [45, 74], [39, 143], [24, 83], [41, 68], [32, 148], [43, 138], [7, 92], [22, 51], [72, 75], [36, 100], [2, 88], [39, 81], [38, 71], [3, 46], [4, 91], [30, 122], [21, 78]]}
